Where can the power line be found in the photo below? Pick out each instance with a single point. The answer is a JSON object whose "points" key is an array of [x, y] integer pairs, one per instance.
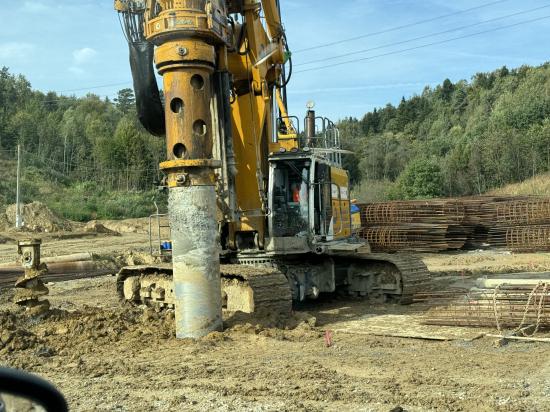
{"points": [[127, 83], [94, 87], [79, 167], [70, 98], [405, 26], [423, 37], [424, 45]]}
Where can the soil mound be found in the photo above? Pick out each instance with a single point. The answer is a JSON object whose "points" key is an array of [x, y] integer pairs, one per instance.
{"points": [[13, 337], [127, 225], [294, 326], [96, 227], [87, 328], [135, 258], [58, 329], [37, 217]]}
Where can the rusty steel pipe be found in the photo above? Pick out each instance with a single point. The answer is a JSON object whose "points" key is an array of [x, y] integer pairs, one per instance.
{"points": [[58, 268]]}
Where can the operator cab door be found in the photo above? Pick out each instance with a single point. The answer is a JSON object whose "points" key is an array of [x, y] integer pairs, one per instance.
{"points": [[289, 199], [322, 205]]}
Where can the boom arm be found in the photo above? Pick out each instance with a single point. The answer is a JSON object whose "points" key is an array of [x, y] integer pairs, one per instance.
{"points": [[256, 67]]}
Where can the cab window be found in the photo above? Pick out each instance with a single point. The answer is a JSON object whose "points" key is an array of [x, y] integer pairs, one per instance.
{"points": [[290, 208]]}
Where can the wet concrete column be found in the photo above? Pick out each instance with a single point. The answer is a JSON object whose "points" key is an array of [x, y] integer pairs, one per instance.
{"points": [[196, 261]]}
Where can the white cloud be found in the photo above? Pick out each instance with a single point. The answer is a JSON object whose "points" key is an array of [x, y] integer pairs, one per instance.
{"points": [[83, 56], [15, 50]]}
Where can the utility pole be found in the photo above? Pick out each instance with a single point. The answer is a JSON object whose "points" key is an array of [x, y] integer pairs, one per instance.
{"points": [[18, 219], [65, 154]]}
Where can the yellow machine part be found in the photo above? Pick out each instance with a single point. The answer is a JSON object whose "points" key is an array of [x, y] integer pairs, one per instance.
{"points": [[288, 140], [250, 145], [341, 203], [252, 126], [356, 221]]}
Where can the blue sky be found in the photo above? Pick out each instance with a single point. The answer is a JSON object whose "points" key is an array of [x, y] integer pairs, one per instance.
{"points": [[66, 46]]}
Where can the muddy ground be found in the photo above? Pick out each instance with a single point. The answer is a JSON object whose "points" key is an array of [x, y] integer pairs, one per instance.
{"points": [[106, 356]]}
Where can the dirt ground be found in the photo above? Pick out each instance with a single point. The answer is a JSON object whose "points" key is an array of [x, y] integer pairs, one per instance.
{"points": [[107, 356], [99, 244], [483, 262]]}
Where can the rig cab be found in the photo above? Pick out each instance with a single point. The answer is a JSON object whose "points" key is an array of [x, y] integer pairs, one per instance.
{"points": [[309, 197]]}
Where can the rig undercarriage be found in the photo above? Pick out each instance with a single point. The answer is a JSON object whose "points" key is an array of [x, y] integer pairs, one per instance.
{"points": [[255, 284]]}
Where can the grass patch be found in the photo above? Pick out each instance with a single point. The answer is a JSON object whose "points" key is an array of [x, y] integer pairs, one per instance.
{"points": [[75, 201], [84, 202], [536, 186], [369, 191]]}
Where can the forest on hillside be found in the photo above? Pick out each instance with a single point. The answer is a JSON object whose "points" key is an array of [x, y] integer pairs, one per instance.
{"points": [[82, 139], [79, 154], [456, 139], [89, 157]]}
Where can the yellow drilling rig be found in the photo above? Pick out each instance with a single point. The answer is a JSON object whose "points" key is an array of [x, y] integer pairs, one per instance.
{"points": [[259, 210]]}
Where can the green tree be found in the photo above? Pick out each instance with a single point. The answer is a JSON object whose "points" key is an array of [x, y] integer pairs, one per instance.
{"points": [[125, 101], [446, 90], [422, 179]]}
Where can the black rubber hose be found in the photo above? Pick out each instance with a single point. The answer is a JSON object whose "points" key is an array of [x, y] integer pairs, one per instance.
{"points": [[240, 40], [148, 103], [290, 68], [23, 384]]}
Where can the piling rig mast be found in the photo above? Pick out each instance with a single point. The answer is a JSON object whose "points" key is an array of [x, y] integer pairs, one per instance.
{"points": [[242, 179]]}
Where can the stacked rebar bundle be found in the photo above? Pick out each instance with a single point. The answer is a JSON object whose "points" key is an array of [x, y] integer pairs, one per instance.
{"points": [[480, 217], [450, 212], [505, 306], [527, 211], [516, 223], [521, 238], [419, 226], [438, 298], [521, 224], [415, 237]]}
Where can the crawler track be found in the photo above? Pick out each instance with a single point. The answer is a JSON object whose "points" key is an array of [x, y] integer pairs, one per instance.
{"points": [[270, 288], [263, 289], [415, 276]]}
